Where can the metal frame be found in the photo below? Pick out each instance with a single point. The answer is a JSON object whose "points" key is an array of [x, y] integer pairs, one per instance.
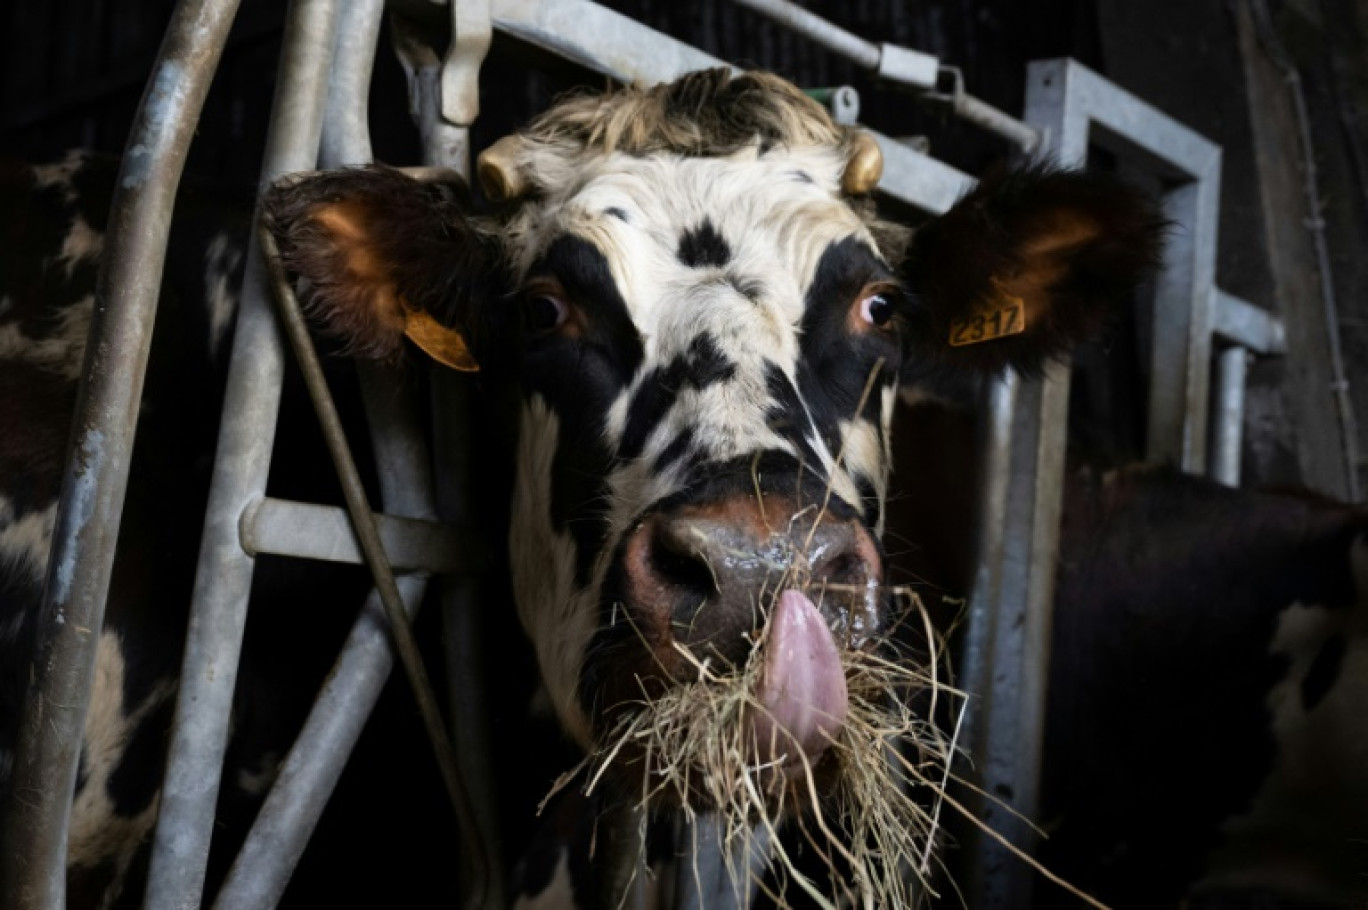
{"points": [[96, 477], [1007, 650], [1006, 659]]}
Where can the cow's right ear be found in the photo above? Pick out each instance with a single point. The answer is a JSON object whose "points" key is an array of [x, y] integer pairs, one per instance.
{"points": [[384, 257]]}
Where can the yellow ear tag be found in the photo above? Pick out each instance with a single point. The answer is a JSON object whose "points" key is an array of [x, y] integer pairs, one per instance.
{"points": [[442, 344], [1005, 316]]}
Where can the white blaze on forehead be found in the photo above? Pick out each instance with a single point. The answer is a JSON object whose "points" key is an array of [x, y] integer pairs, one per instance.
{"points": [[778, 212]]}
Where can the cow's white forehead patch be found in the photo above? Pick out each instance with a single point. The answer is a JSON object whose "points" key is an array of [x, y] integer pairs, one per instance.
{"points": [[776, 211]]}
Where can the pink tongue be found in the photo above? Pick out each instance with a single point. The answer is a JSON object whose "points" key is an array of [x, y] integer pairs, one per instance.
{"points": [[802, 685]]}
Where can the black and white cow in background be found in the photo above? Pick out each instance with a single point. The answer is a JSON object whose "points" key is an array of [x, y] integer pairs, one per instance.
{"points": [[52, 221], [52, 224], [1207, 725], [678, 313]]}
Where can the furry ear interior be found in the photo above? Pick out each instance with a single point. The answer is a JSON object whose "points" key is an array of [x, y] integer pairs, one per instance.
{"points": [[1026, 266], [384, 257]]}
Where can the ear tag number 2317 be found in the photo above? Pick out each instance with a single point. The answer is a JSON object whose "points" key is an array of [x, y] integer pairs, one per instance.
{"points": [[1006, 317]]}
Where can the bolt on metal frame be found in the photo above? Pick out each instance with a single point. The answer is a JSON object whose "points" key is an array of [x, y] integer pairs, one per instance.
{"points": [[1024, 454]]}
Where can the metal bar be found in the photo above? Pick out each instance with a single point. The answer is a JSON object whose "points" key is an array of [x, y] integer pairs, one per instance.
{"points": [[864, 54], [702, 880], [309, 531], [1027, 138], [1180, 357], [918, 179], [1008, 657], [445, 136], [33, 867], [218, 608], [999, 668], [985, 116], [598, 39], [310, 772], [297, 331], [346, 128], [471, 33], [1228, 425], [1240, 322], [444, 144], [1181, 365]]}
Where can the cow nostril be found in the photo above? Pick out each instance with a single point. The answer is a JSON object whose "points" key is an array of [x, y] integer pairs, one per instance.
{"points": [[843, 568], [679, 559]]}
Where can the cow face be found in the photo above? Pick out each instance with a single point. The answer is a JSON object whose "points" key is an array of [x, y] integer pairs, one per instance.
{"points": [[704, 324]]}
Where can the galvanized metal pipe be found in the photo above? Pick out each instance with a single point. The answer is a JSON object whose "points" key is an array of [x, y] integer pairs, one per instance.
{"points": [[702, 881], [1232, 368], [218, 608], [307, 530], [311, 770], [1240, 322], [296, 330], [864, 54], [33, 865], [444, 101], [346, 130], [984, 115]]}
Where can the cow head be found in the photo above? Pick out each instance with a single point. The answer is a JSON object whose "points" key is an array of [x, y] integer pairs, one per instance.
{"points": [[705, 323]]}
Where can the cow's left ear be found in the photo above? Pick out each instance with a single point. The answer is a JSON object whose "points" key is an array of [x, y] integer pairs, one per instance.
{"points": [[1026, 266], [385, 257]]}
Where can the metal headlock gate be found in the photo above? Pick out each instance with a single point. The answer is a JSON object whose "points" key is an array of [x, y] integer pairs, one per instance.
{"points": [[319, 120]]}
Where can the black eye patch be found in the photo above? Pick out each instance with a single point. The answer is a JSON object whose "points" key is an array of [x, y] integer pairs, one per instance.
{"points": [[582, 269]]}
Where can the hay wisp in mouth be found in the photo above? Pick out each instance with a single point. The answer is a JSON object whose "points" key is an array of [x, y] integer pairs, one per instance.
{"points": [[853, 766]]}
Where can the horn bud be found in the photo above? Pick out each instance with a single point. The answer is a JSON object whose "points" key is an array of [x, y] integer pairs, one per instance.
{"points": [[497, 168], [864, 166]]}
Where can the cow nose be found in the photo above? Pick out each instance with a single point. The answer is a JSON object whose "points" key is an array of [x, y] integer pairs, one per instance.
{"points": [[711, 571], [726, 556]]}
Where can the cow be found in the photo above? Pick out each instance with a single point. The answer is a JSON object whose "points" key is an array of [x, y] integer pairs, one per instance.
{"points": [[695, 326], [690, 324], [53, 219], [53, 222], [1205, 736]]}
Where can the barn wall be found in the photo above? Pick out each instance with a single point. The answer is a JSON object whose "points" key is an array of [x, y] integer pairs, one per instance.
{"points": [[1206, 63]]}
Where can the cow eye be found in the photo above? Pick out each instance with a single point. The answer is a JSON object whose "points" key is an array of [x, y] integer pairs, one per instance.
{"points": [[546, 313], [876, 309]]}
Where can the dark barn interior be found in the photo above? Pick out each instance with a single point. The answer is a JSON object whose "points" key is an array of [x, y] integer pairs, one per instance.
{"points": [[1220, 68], [1280, 85]]}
